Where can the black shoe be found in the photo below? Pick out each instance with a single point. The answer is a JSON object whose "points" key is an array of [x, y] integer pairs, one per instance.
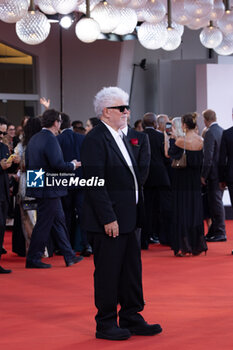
{"points": [[154, 240], [145, 329], [2, 270], [87, 251], [58, 252], [75, 260], [114, 333], [4, 251], [221, 238], [37, 265]]}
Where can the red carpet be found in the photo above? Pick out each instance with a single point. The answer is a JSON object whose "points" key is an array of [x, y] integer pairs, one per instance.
{"points": [[192, 298]]}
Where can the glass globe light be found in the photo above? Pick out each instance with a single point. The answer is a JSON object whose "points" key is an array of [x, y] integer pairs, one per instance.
{"points": [[198, 8], [154, 11], [178, 27], [218, 10], [136, 4], [226, 23], [164, 2], [34, 28], [81, 7], [127, 23], [64, 6], [106, 16], [211, 37], [226, 46], [197, 23], [173, 40], [140, 14], [119, 3], [152, 36], [87, 30], [66, 21], [179, 14], [46, 6], [12, 11]]}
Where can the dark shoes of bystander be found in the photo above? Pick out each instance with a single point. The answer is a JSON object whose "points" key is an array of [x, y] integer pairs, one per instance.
{"points": [[37, 265], [4, 271], [87, 251], [75, 260], [219, 238]]}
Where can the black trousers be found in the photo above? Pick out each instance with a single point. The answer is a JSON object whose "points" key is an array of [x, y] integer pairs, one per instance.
{"points": [[72, 205], [230, 189], [158, 214], [117, 278], [49, 215], [217, 212], [150, 226], [3, 216]]}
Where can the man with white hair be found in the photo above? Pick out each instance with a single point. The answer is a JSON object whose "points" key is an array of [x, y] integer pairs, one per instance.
{"points": [[110, 216], [162, 119]]}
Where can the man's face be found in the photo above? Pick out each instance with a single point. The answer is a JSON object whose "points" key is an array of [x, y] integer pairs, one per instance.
{"points": [[3, 128], [57, 125], [114, 117], [207, 124], [11, 130]]}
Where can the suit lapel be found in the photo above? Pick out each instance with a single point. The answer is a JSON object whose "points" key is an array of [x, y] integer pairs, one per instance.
{"points": [[129, 149], [113, 145]]}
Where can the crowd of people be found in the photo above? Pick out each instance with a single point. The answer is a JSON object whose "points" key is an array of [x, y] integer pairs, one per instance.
{"points": [[161, 181]]}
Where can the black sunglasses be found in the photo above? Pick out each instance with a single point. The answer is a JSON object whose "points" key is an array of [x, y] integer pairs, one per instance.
{"points": [[3, 133], [120, 108]]}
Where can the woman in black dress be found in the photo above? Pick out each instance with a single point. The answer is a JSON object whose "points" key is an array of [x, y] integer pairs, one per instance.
{"points": [[188, 227]]}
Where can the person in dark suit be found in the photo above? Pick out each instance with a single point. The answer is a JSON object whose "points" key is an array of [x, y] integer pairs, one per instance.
{"points": [[226, 162], [141, 150], [43, 152], [71, 143], [110, 214], [209, 176], [5, 166], [157, 189]]}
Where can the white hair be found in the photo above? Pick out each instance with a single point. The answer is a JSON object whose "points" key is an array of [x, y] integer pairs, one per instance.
{"points": [[162, 119], [107, 97], [177, 124]]}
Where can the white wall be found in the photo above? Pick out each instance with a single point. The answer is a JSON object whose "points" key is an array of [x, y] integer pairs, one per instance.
{"points": [[215, 91]]}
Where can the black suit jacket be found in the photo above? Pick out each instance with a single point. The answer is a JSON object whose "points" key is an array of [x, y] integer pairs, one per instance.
{"points": [[116, 200], [212, 143], [141, 151], [43, 151], [158, 174], [71, 143], [4, 180], [226, 157]]}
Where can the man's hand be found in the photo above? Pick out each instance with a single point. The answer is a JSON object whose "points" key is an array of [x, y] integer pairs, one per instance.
{"points": [[4, 164], [112, 229], [76, 163], [44, 102], [203, 181], [222, 185]]}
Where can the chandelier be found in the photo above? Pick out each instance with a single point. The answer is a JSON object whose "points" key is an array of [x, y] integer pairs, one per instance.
{"points": [[156, 23]]}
